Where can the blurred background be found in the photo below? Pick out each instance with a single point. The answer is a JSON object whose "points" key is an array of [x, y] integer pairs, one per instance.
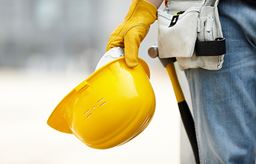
{"points": [[46, 48]]}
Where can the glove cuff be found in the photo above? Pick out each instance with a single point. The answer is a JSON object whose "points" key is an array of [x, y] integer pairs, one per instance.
{"points": [[142, 9]]}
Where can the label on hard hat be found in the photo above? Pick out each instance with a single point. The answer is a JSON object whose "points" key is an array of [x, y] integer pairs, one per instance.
{"points": [[109, 56]]}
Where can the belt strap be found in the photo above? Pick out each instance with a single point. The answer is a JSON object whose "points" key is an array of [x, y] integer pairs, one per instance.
{"points": [[211, 48]]}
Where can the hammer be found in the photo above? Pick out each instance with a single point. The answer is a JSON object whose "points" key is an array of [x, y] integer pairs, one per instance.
{"points": [[185, 113]]}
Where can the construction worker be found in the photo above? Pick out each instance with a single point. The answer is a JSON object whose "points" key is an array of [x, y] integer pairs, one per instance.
{"points": [[224, 101]]}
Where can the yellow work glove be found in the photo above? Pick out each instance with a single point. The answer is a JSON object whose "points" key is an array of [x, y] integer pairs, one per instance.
{"points": [[130, 33]]}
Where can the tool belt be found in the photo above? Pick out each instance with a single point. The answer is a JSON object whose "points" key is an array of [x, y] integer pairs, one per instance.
{"points": [[191, 32]]}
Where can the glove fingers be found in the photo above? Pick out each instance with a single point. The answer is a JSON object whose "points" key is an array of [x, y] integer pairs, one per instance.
{"points": [[116, 39], [132, 42], [116, 42]]}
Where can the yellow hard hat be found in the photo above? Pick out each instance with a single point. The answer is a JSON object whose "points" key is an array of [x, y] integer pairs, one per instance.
{"points": [[109, 108]]}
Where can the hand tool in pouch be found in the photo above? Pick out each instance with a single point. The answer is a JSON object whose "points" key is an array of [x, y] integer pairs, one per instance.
{"points": [[185, 113]]}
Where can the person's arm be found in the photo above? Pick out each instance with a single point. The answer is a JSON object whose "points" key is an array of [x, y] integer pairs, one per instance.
{"points": [[130, 33], [157, 3]]}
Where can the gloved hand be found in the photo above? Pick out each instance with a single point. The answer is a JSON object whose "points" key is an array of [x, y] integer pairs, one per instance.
{"points": [[133, 30]]}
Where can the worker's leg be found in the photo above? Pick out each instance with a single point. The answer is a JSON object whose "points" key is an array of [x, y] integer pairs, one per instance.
{"points": [[224, 101]]}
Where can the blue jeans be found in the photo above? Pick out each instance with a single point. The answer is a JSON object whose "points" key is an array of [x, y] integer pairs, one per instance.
{"points": [[224, 101]]}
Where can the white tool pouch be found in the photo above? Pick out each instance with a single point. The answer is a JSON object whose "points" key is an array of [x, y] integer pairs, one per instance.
{"points": [[195, 38], [177, 33]]}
